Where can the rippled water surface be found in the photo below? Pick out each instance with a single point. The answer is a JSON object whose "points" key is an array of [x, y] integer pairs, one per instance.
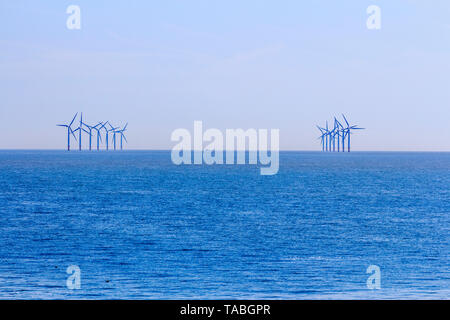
{"points": [[140, 227]]}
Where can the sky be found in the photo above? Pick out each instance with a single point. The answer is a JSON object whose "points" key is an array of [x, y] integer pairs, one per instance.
{"points": [[287, 65]]}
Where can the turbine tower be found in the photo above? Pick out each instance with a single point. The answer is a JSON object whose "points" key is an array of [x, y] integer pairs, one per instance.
{"points": [[106, 134], [69, 131], [322, 137], [89, 133], [330, 135], [122, 136], [340, 134], [80, 128], [333, 134], [99, 136], [114, 134]]}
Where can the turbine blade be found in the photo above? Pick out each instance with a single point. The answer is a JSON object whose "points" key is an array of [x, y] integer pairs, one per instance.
{"points": [[346, 120], [71, 131], [73, 119], [86, 125]]}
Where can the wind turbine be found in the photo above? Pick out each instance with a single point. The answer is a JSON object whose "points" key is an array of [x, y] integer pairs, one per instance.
{"points": [[340, 133], [114, 134], [99, 136], [327, 134], [331, 135], [122, 136], [322, 139], [69, 131], [348, 132], [80, 128], [89, 133], [106, 133]]}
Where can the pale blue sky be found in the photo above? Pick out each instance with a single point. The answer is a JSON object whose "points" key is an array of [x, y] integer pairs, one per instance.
{"points": [[160, 65]]}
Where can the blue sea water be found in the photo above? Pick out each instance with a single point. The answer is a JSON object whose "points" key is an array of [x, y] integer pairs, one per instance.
{"points": [[140, 227]]}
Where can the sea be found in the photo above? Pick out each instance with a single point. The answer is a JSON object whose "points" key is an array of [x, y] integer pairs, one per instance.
{"points": [[137, 226]]}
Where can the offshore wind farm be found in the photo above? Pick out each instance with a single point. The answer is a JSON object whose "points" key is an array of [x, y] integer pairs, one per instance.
{"points": [[271, 150], [87, 129], [334, 140]]}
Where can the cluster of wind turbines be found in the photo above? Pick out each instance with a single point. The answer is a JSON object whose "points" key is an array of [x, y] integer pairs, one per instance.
{"points": [[328, 136], [88, 129]]}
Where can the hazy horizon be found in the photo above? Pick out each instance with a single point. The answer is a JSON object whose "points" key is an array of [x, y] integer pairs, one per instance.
{"points": [[169, 150]]}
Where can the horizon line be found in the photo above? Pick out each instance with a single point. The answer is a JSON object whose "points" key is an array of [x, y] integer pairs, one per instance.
{"points": [[169, 150]]}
